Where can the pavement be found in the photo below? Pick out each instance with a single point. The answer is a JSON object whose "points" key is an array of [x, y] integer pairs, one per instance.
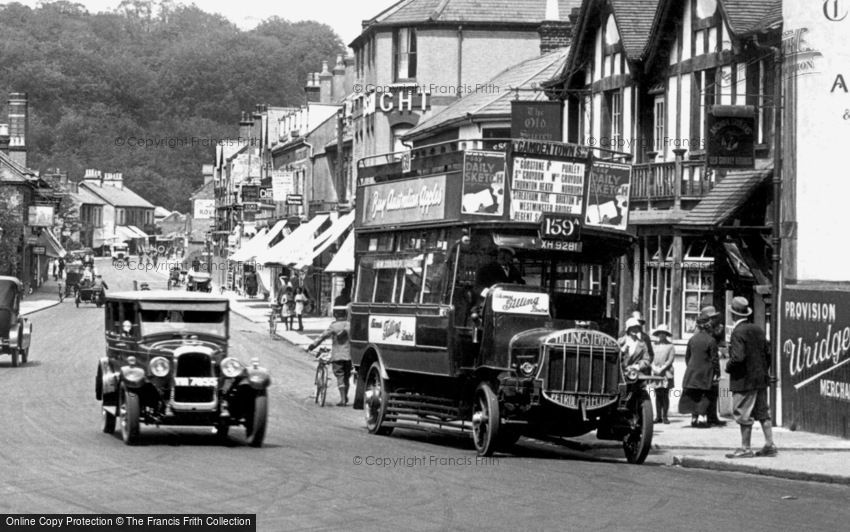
{"points": [[46, 296], [802, 455]]}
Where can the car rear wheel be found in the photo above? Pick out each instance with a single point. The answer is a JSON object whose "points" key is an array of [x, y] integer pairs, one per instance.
{"points": [[257, 431], [486, 420], [14, 357], [637, 443], [25, 355], [375, 402], [130, 412], [107, 420]]}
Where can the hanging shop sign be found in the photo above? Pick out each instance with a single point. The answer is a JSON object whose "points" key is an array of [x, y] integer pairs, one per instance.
{"points": [[250, 193], [537, 120], [731, 136], [483, 183]]}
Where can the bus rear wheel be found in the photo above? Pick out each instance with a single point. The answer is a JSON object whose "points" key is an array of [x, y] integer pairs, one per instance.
{"points": [[376, 398]]}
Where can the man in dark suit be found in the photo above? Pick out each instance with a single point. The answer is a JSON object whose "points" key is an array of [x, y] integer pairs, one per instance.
{"points": [[502, 270], [749, 376]]}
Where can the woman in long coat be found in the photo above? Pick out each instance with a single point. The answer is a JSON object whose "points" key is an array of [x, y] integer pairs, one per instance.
{"points": [[703, 368]]}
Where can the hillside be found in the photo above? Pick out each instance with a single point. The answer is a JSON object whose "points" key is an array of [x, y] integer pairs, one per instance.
{"points": [[148, 71]]}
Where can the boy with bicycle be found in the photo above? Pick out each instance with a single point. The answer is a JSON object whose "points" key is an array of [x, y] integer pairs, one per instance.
{"points": [[338, 332]]}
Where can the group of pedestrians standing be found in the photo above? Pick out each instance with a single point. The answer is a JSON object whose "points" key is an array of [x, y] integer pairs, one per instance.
{"points": [[748, 368], [292, 303]]}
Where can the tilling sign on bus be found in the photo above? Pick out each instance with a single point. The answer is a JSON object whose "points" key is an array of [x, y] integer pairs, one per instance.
{"points": [[408, 201]]}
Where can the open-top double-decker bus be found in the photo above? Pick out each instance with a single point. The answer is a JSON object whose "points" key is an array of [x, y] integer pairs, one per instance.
{"points": [[486, 294]]}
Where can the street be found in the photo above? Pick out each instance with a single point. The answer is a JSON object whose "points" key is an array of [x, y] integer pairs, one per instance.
{"points": [[320, 469]]}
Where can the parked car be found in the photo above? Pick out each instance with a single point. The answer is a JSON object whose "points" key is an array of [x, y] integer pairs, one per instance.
{"points": [[199, 282], [167, 363], [119, 252], [15, 331]]}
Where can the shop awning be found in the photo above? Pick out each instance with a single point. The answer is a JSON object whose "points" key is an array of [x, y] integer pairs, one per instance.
{"points": [[729, 195], [139, 232], [52, 247], [258, 244], [124, 233], [294, 247], [343, 261], [248, 245], [331, 235]]}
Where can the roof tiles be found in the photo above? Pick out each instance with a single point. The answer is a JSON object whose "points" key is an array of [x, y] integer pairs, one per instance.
{"points": [[506, 11]]}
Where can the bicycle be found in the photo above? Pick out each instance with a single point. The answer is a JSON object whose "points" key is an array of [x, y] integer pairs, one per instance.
{"points": [[322, 373], [275, 312]]}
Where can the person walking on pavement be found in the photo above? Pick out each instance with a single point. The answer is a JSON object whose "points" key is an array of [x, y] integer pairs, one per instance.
{"points": [[338, 331], [300, 300], [749, 377], [703, 369], [719, 334], [662, 366], [287, 306]]}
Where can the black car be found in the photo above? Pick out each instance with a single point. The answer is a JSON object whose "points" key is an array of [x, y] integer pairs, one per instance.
{"points": [[15, 331]]}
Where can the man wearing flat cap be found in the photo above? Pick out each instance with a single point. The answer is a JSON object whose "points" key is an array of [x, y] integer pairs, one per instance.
{"points": [[748, 369]]}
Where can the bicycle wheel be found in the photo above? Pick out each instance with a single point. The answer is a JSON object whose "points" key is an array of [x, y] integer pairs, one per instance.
{"points": [[321, 383]]}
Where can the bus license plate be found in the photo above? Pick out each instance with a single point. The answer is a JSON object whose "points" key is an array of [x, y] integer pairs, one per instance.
{"points": [[195, 381]]}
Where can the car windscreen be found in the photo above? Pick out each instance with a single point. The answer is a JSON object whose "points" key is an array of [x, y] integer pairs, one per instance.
{"points": [[7, 294], [183, 321]]}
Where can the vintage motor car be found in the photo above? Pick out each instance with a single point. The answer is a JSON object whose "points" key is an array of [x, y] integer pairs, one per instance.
{"points": [[198, 282], [88, 293], [119, 252], [15, 331], [167, 363]]}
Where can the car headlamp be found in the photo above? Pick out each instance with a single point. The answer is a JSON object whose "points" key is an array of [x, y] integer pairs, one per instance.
{"points": [[160, 366], [527, 368], [231, 368], [632, 374]]}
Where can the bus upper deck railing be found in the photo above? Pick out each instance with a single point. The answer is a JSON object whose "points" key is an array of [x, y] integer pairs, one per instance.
{"points": [[447, 157]]}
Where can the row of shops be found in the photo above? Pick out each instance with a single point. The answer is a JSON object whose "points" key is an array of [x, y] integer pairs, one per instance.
{"points": [[317, 255]]}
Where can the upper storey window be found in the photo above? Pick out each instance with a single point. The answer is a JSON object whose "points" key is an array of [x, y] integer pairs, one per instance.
{"points": [[404, 54], [612, 49], [706, 8]]}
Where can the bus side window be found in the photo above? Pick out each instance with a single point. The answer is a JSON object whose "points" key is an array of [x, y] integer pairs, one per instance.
{"points": [[365, 284]]}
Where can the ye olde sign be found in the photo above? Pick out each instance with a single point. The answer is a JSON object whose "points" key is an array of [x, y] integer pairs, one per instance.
{"points": [[731, 136], [537, 120], [407, 201], [814, 351]]}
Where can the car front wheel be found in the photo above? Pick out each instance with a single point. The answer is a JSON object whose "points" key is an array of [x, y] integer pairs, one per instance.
{"points": [[638, 441], [130, 412], [257, 431]]}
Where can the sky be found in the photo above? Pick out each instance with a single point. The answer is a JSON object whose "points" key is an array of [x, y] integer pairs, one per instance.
{"points": [[344, 16]]}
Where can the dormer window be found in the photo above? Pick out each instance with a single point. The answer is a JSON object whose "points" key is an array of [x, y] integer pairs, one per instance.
{"points": [[612, 36], [404, 54], [612, 56]]}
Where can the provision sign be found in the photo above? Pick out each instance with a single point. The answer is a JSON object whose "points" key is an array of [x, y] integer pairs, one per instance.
{"points": [[396, 330], [408, 201], [509, 302], [815, 359], [608, 195], [483, 183], [731, 136]]}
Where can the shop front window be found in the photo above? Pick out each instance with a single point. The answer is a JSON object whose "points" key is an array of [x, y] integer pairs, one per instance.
{"points": [[698, 289]]}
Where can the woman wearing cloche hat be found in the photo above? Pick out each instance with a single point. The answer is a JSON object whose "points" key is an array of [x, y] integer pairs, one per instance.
{"points": [[703, 369], [662, 365]]}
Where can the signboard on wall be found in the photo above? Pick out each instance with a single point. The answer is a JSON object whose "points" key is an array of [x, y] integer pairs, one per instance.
{"points": [[283, 183], [40, 216], [250, 193], [731, 136], [407, 201], [204, 209], [537, 120], [483, 183], [608, 195], [815, 360]]}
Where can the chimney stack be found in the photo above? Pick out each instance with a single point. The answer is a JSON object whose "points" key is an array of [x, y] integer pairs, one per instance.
{"points": [[554, 32], [92, 176], [245, 126], [18, 127], [338, 91], [313, 90], [207, 172], [4, 138], [326, 83]]}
